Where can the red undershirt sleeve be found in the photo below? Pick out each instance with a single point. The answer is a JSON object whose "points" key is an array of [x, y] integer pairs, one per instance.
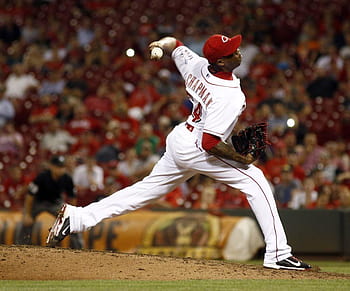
{"points": [[209, 141], [178, 43]]}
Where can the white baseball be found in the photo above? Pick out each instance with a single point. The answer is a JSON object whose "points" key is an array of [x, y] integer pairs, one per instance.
{"points": [[156, 53]]}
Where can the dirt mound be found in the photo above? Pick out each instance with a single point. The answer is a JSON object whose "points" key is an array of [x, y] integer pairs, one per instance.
{"points": [[41, 263]]}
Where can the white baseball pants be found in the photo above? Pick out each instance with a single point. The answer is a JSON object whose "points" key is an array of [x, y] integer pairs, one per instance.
{"points": [[183, 159]]}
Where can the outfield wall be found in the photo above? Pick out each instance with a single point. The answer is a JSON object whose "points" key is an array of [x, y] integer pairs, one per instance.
{"points": [[234, 235], [313, 231], [171, 233]]}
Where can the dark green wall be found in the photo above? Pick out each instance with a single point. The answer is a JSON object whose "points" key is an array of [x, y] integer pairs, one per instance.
{"points": [[315, 231], [346, 231]]}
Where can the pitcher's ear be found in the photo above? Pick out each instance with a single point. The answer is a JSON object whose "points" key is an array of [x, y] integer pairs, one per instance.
{"points": [[220, 62]]}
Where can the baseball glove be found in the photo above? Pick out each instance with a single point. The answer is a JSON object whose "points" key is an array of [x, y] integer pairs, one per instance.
{"points": [[252, 139]]}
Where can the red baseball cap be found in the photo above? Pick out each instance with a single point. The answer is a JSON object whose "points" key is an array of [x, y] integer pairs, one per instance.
{"points": [[218, 46]]}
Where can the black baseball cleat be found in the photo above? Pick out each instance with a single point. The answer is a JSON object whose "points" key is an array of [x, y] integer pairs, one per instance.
{"points": [[60, 228], [291, 263]]}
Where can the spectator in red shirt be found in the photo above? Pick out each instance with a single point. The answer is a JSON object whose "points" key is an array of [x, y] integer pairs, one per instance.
{"points": [[231, 198], [261, 68], [294, 160], [114, 143], [274, 165], [100, 104], [87, 144], [82, 121], [144, 97], [5, 69], [173, 199], [116, 137], [126, 66], [129, 125], [15, 189], [54, 57], [44, 112], [324, 198]]}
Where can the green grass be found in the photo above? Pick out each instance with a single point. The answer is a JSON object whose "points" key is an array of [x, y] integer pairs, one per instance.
{"points": [[326, 266], [192, 285], [334, 267]]}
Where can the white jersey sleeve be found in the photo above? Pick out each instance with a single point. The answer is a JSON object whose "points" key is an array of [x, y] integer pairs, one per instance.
{"points": [[185, 60]]}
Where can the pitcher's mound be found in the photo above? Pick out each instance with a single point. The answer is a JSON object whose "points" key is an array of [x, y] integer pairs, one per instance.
{"points": [[43, 263]]}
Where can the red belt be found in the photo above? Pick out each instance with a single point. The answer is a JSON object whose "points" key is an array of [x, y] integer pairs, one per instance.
{"points": [[189, 127]]}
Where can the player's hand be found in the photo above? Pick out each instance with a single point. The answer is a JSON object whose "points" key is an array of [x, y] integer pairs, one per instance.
{"points": [[155, 44], [156, 51], [164, 45]]}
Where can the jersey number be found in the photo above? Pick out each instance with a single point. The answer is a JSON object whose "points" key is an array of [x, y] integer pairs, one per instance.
{"points": [[197, 113]]}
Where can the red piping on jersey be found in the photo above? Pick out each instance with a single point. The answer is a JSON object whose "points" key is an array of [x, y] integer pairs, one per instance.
{"points": [[273, 217], [209, 141]]}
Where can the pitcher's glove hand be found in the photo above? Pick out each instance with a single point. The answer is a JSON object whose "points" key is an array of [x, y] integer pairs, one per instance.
{"points": [[252, 139]]}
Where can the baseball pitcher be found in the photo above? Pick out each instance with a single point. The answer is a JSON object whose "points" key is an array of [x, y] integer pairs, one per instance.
{"points": [[203, 144]]}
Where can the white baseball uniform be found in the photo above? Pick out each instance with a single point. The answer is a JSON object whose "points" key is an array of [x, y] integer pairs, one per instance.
{"points": [[217, 104]]}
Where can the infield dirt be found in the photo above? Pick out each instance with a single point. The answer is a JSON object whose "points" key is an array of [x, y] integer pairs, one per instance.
{"points": [[43, 263]]}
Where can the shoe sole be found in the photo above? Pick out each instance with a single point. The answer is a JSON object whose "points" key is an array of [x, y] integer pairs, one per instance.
{"points": [[277, 267], [51, 241]]}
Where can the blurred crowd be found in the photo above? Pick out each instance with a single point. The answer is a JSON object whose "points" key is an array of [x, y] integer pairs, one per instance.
{"points": [[76, 80]]}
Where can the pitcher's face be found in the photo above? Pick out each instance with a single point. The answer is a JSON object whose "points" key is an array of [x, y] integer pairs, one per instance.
{"points": [[232, 61]]}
